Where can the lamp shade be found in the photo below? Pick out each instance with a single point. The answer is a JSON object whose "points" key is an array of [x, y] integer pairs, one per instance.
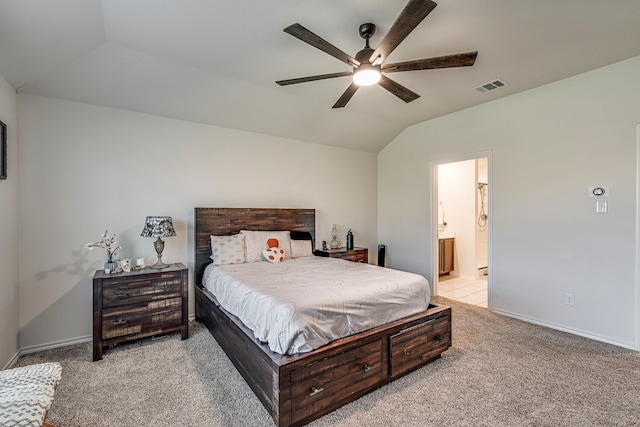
{"points": [[158, 226]]}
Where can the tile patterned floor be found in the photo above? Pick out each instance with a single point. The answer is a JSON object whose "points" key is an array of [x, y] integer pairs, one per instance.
{"points": [[471, 291]]}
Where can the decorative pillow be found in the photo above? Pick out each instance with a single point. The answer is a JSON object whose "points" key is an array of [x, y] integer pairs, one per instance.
{"points": [[301, 248], [228, 249], [273, 253], [256, 242]]}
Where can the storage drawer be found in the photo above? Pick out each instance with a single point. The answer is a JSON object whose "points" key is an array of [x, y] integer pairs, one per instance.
{"points": [[141, 320], [324, 383], [411, 347], [117, 292]]}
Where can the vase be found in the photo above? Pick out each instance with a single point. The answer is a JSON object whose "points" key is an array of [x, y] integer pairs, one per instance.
{"points": [[111, 265], [334, 243]]}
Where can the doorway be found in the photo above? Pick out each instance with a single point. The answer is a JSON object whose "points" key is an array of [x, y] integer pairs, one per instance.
{"points": [[462, 200]]}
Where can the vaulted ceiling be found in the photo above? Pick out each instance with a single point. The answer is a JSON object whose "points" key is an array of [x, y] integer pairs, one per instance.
{"points": [[216, 62]]}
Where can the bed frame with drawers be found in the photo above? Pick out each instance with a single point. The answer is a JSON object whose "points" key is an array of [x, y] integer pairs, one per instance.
{"points": [[298, 389]]}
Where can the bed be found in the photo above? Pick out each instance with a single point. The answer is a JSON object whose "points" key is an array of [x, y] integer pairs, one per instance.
{"points": [[298, 388]]}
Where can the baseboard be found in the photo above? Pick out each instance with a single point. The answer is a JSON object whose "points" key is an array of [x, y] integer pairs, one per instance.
{"points": [[55, 344], [578, 332], [12, 361]]}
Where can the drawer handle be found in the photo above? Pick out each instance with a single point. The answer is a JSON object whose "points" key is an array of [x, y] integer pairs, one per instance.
{"points": [[406, 352], [120, 322], [127, 294], [315, 390], [367, 368], [440, 337]]}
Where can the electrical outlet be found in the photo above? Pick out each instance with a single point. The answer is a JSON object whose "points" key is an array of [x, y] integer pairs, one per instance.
{"points": [[569, 299]]}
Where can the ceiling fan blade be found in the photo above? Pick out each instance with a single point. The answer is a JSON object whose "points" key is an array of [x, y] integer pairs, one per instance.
{"points": [[447, 61], [398, 90], [346, 96], [314, 78], [301, 33], [412, 14]]}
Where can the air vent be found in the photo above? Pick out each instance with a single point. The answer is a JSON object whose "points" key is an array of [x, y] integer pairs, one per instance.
{"points": [[490, 86]]}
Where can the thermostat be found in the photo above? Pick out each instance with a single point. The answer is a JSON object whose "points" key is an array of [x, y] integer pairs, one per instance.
{"points": [[599, 191]]}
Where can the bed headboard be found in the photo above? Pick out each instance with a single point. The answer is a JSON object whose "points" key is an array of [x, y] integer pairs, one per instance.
{"points": [[226, 221]]}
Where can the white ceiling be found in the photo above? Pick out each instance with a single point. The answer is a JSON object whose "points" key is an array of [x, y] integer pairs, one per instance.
{"points": [[216, 62]]}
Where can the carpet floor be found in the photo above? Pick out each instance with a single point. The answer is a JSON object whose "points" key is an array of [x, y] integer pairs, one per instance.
{"points": [[498, 372]]}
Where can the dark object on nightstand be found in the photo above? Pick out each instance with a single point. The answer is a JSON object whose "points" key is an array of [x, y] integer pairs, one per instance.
{"points": [[349, 240], [355, 255], [382, 251], [139, 304]]}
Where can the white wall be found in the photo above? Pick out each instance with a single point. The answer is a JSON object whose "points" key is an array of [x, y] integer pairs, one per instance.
{"points": [[549, 144], [84, 169], [9, 231]]}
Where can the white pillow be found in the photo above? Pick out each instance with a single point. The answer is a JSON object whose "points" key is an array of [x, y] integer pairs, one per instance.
{"points": [[228, 249], [301, 248], [256, 241]]}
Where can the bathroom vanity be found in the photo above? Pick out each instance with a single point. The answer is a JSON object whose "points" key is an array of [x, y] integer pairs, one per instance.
{"points": [[445, 254]]}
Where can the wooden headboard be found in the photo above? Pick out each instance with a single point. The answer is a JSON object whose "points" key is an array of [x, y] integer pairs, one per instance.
{"points": [[226, 221]]}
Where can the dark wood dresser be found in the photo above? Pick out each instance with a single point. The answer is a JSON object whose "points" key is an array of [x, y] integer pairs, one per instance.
{"points": [[356, 254], [138, 304]]}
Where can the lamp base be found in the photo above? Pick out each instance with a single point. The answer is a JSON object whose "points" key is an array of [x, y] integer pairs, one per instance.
{"points": [[159, 264], [159, 247]]}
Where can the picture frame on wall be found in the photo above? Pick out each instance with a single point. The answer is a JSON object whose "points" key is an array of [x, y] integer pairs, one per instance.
{"points": [[3, 151]]}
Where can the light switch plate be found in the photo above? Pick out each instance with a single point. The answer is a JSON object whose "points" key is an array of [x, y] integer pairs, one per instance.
{"points": [[602, 206]]}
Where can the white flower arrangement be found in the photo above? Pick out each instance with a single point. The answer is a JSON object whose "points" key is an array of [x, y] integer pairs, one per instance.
{"points": [[106, 242]]}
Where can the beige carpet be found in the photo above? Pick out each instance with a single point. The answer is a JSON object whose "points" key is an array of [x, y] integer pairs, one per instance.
{"points": [[499, 372]]}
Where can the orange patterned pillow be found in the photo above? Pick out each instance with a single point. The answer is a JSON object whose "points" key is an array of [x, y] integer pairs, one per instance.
{"points": [[273, 253]]}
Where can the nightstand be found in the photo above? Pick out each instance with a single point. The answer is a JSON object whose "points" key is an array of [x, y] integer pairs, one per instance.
{"points": [[139, 304], [356, 254]]}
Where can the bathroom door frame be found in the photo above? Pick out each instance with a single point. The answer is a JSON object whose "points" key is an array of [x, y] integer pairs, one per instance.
{"points": [[433, 171]]}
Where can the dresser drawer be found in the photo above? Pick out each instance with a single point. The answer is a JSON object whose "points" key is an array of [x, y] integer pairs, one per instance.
{"points": [[420, 343], [328, 381], [122, 291], [138, 304], [353, 256], [134, 321]]}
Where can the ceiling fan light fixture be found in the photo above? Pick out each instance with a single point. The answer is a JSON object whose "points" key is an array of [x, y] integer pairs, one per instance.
{"points": [[366, 75], [367, 63]]}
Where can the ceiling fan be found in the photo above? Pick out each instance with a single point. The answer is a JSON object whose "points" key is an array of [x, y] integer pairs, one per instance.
{"points": [[367, 64]]}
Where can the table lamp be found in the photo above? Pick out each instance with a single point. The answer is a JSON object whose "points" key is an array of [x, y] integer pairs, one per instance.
{"points": [[158, 226]]}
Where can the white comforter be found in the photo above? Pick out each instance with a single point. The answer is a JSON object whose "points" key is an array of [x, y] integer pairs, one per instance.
{"points": [[303, 303]]}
